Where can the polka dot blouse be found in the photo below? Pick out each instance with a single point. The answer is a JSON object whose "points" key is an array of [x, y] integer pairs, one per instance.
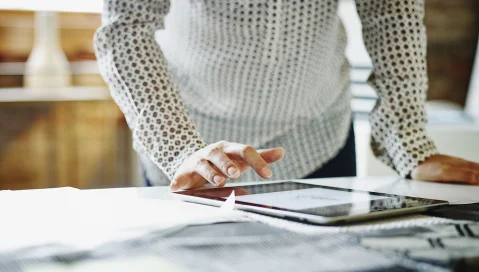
{"points": [[265, 73]]}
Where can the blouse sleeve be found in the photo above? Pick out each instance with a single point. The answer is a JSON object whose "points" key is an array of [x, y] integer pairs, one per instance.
{"points": [[395, 37], [136, 72]]}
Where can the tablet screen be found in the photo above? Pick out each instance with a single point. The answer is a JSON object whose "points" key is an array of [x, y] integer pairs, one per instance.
{"points": [[312, 199]]}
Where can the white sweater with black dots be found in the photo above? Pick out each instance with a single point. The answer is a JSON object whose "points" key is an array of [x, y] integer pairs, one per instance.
{"points": [[265, 73]]}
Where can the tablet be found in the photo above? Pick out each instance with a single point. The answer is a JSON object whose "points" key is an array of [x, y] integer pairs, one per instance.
{"points": [[312, 203]]}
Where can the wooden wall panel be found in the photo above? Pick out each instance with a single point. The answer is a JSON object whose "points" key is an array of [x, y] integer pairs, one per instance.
{"points": [[453, 29], [25, 158], [65, 144]]}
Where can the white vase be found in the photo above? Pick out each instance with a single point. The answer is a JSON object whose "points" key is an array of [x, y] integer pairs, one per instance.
{"points": [[47, 65], [472, 103]]}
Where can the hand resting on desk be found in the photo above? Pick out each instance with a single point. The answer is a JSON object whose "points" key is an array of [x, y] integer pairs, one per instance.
{"points": [[442, 168]]}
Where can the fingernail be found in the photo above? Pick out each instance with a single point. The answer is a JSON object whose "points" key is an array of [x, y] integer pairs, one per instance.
{"points": [[218, 180], [232, 171], [267, 172]]}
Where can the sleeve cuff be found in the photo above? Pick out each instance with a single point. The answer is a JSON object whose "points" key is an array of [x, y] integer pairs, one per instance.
{"points": [[405, 150], [166, 148]]}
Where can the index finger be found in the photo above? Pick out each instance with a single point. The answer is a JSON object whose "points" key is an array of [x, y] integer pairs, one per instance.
{"points": [[250, 156]]}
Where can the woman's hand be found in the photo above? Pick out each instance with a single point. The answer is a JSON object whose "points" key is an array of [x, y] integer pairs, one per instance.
{"points": [[221, 161], [441, 168]]}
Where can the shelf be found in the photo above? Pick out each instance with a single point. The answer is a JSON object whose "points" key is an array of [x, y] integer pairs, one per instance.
{"points": [[85, 67], [12, 95]]}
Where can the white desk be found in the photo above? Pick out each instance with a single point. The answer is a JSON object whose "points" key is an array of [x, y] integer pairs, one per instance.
{"points": [[454, 193], [458, 140]]}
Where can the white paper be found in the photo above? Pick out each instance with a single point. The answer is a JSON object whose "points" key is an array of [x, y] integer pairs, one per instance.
{"points": [[229, 204], [308, 198], [69, 217]]}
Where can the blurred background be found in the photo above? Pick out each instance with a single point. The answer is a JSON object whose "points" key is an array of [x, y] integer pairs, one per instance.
{"points": [[59, 126]]}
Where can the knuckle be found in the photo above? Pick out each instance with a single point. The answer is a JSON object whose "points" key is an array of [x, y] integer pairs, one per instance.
{"points": [[222, 143], [200, 163], [213, 151], [210, 175], [225, 164], [247, 149]]}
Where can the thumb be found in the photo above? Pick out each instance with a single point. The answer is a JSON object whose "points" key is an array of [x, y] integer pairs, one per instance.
{"points": [[186, 181]]}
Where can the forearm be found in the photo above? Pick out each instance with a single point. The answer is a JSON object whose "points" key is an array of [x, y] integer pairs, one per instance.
{"points": [[136, 72]]}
